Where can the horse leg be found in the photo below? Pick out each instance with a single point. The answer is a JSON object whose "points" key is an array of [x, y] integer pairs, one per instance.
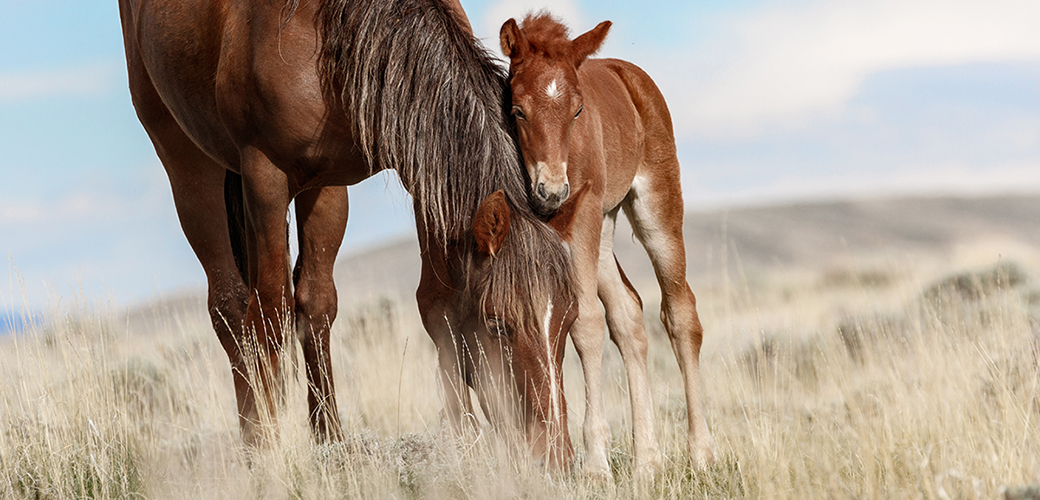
{"points": [[433, 299], [198, 194], [655, 208], [266, 194], [321, 219], [588, 336], [198, 189], [624, 311]]}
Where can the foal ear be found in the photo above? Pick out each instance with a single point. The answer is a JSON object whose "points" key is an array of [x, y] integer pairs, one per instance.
{"points": [[514, 43], [563, 220], [491, 224], [588, 43]]}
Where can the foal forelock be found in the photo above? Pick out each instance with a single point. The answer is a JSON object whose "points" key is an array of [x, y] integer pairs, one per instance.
{"points": [[546, 34], [531, 270], [424, 98]]}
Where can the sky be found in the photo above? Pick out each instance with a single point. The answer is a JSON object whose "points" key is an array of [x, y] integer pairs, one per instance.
{"points": [[772, 100]]}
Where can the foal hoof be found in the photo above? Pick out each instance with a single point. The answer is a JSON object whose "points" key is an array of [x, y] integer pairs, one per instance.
{"points": [[703, 453], [647, 469], [597, 476]]}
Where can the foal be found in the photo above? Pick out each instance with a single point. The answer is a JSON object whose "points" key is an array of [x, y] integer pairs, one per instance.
{"points": [[602, 124]]}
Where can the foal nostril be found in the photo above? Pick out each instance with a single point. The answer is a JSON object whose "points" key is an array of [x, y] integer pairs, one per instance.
{"points": [[540, 191], [566, 191]]}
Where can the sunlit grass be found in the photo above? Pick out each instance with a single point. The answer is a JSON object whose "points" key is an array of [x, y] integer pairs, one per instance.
{"points": [[859, 381]]}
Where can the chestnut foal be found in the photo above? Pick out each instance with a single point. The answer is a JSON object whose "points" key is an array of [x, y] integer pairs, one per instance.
{"points": [[604, 125]]}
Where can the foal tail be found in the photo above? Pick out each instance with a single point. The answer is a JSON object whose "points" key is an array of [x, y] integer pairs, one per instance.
{"points": [[234, 205]]}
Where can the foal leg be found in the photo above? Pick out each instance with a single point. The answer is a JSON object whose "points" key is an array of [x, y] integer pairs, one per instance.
{"points": [[321, 218], [624, 311], [266, 194], [589, 337], [655, 208]]}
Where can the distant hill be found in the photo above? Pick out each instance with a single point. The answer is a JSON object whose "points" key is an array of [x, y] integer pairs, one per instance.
{"points": [[805, 233], [797, 235]]}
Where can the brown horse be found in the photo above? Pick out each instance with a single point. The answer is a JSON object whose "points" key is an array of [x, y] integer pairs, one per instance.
{"points": [[602, 123], [254, 104]]}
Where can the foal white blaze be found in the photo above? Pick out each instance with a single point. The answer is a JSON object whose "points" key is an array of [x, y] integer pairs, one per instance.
{"points": [[553, 91]]}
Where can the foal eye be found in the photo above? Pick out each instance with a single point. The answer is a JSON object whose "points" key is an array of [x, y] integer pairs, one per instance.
{"points": [[518, 113], [582, 108], [497, 327]]}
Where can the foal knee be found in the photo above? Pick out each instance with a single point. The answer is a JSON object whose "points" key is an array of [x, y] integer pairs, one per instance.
{"points": [[635, 345], [680, 319], [627, 332]]}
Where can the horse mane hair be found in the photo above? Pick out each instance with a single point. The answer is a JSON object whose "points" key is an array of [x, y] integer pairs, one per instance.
{"points": [[427, 100]]}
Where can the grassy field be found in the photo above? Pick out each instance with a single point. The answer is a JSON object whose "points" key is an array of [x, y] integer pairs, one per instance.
{"points": [[883, 376]]}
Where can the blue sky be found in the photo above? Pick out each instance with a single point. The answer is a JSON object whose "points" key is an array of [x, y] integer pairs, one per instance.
{"points": [[772, 100]]}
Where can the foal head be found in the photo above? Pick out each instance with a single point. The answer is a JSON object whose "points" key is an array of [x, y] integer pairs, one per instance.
{"points": [[513, 311], [547, 100]]}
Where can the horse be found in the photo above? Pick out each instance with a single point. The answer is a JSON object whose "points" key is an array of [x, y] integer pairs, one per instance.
{"points": [[252, 106], [603, 124]]}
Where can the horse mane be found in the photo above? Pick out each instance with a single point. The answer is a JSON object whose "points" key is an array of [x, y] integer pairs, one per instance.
{"points": [[427, 100], [546, 34], [424, 99]]}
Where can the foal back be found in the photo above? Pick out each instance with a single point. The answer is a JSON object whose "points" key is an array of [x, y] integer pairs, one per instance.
{"points": [[634, 130]]}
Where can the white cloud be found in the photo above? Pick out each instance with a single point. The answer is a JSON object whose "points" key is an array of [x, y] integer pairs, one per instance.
{"points": [[75, 207], [21, 214], [85, 80], [781, 66]]}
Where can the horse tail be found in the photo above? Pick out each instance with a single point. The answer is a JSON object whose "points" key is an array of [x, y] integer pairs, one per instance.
{"points": [[234, 206]]}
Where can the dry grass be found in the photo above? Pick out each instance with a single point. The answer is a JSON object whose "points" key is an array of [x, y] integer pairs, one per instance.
{"points": [[865, 380]]}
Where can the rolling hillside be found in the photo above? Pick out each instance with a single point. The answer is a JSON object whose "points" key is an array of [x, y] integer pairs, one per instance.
{"points": [[797, 236], [794, 237]]}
